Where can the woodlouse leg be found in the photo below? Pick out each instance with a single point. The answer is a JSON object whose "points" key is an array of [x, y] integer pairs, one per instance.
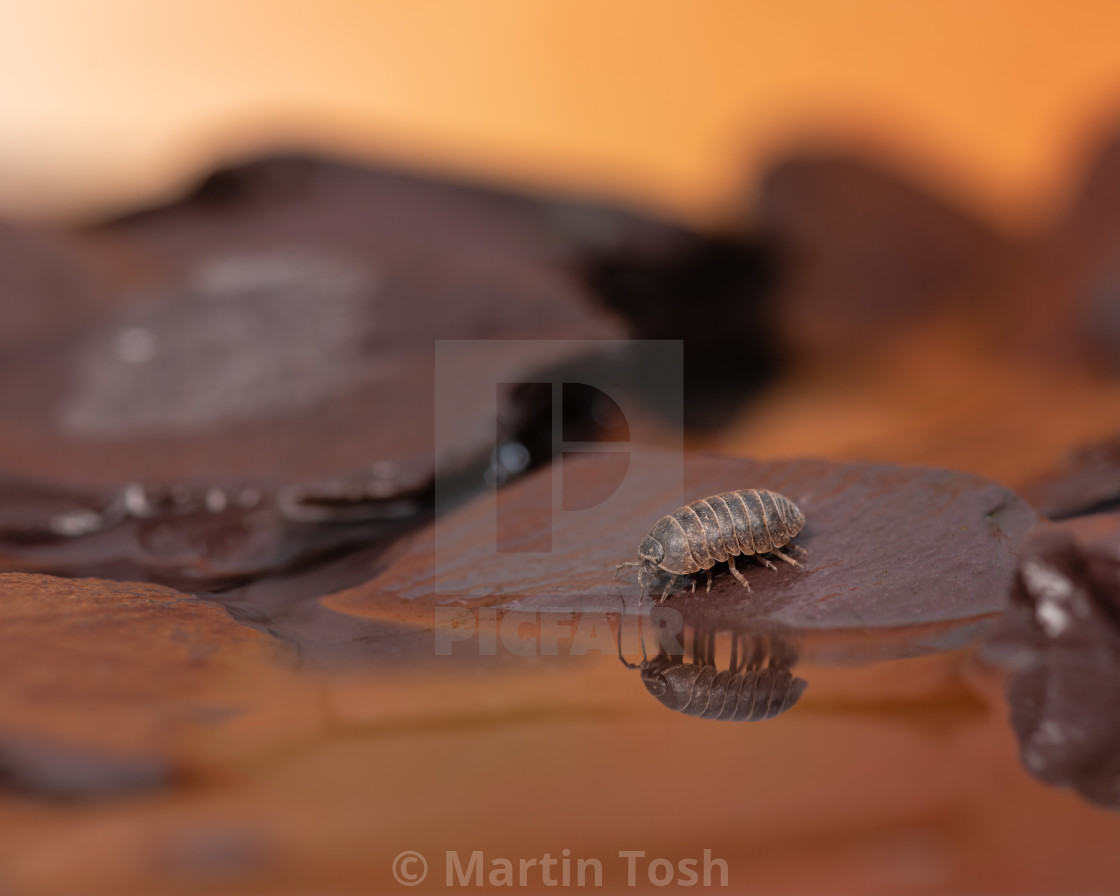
{"points": [[764, 561], [786, 557], [709, 580], [692, 582], [799, 549], [753, 659], [645, 579], [737, 574], [665, 593]]}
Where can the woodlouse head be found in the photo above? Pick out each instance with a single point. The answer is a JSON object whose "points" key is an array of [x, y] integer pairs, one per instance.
{"points": [[651, 551], [653, 674]]}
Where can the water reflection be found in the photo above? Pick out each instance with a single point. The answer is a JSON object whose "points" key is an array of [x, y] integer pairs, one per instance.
{"points": [[756, 685]]}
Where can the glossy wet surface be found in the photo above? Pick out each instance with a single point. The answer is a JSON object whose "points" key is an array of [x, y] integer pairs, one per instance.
{"points": [[882, 776], [381, 623]]}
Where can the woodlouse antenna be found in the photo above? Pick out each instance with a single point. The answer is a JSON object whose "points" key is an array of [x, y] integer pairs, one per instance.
{"points": [[643, 580], [624, 565]]}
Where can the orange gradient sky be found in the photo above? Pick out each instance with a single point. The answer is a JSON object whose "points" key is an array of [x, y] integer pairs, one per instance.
{"points": [[668, 105]]}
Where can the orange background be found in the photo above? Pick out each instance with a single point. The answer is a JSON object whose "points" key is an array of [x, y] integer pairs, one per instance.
{"points": [[668, 105]]}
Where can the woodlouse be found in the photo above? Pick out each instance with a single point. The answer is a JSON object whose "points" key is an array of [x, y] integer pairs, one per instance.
{"points": [[754, 687], [717, 529]]}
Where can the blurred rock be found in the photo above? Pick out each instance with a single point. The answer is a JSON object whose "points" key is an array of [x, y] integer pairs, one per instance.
{"points": [[864, 252], [1061, 639], [1087, 481]]}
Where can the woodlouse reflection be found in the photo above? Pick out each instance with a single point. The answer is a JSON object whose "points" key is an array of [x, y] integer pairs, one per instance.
{"points": [[685, 674]]}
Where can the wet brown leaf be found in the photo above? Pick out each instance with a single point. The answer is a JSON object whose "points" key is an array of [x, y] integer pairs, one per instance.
{"points": [[887, 546], [105, 683], [1061, 639], [1086, 481]]}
